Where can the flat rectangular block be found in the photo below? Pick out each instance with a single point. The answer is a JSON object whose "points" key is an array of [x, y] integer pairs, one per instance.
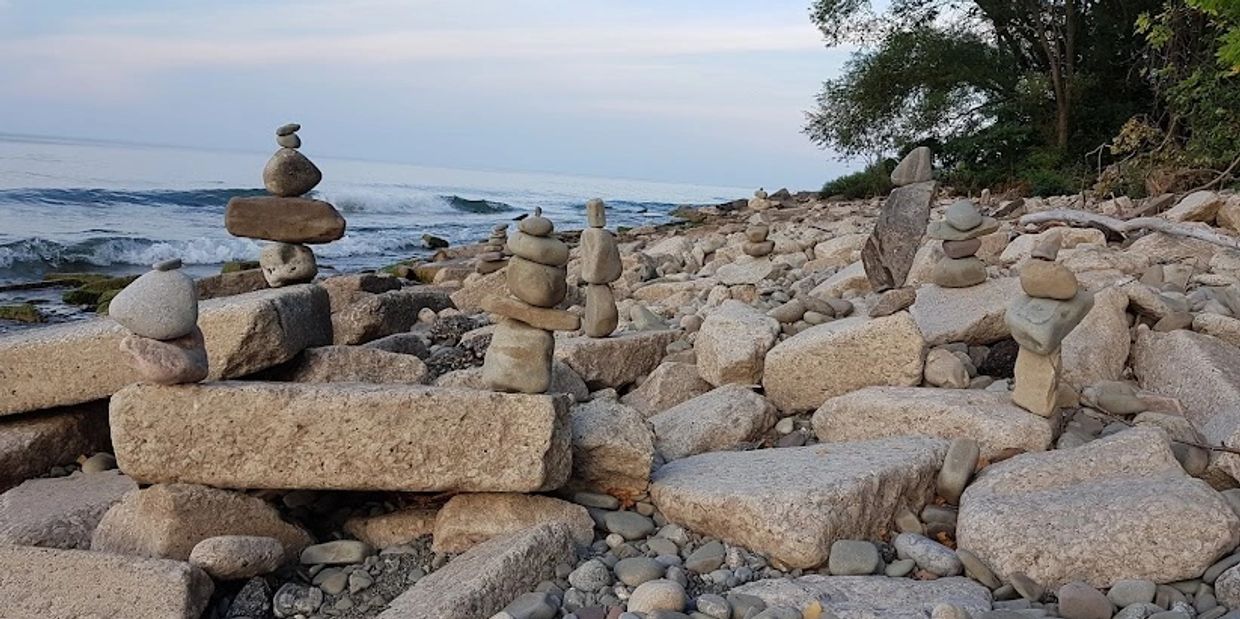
{"points": [[341, 436], [289, 220], [1037, 381], [48, 582]]}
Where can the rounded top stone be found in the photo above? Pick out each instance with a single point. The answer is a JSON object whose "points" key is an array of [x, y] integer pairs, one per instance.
{"points": [[288, 129], [963, 216], [170, 264], [596, 213], [1048, 247], [536, 224]]}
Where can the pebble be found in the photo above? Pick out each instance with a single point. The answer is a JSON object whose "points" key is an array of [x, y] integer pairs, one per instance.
{"points": [[631, 525], [958, 465], [590, 576], [339, 552], [657, 595], [977, 570], [161, 304], [707, 558], [173, 362], [284, 264], [900, 568], [332, 581], [596, 213], [1026, 586], [1047, 248], [99, 463], [295, 599], [961, 249], [907, 522], [1078, 600], [853, 558], [745, 605], [892, 301], [929, 554], [714, 606], [946, 370], [288, 129], [533, 606], [1115, 397], [636, 570], [288, 141]]}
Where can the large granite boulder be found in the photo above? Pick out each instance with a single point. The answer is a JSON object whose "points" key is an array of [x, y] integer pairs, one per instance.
{"points": [[715, 421], [732, 344]]}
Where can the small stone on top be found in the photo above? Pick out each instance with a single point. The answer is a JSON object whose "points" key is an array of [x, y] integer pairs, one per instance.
{"points": [[171, 264], [963, 216], [288, 129]]}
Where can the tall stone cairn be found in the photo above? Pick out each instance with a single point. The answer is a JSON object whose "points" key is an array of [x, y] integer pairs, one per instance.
{"points": [[961, 233], [160, 310], [1052, 305], [494, 257], [286, 218], [600, 266], [519, 358]]}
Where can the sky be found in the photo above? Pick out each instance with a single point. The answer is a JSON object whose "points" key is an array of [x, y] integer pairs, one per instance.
{"points": [[704, 91]]}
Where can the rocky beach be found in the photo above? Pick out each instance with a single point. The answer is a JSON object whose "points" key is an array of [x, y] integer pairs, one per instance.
{"points": [[790, 406]]}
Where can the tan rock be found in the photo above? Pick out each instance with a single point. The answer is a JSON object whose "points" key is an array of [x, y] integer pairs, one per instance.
{"points": [[878, 412], [1196, 206], [1158, 247], [563, 380], [519, 358], [254, 331], [601, 315], [1037, 381], [1012, 515], [792, 504], [1224, 328], [288, 219], [613, 449], [973, 315], [945, 369], [183, 360], [600, 257], [1020, 248], [1097, 349], [614, 361], [60, 512], [850, 279], [467, 520], [345, 290], [354, 364], [916, 167], [477, 287], [398, 527], [46, 582], [287, 263], [60, 365], [289, 173], [1229, 214], [412, 438], [236, 557], [488, 577], [668, 385], [166, 521], [539, 317], [747, 271], [544, 250], [841, 356], [1047, 280], [536, 284], [733, 343], [228, 284], [962, 273], [32, 444], [381, 315], [715, 421], [841, 250]]}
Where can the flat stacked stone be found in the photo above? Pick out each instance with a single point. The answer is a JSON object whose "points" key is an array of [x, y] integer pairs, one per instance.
{"points": [[1052, 305], [600, 266], [493, 257], [519, 358], [961, 233], [160, 310], [756, 243], [286, 218]]}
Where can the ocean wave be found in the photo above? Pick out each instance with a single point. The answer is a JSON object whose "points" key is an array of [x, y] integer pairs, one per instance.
{"points": [[107, 197], [388, 202], [124, 251]]}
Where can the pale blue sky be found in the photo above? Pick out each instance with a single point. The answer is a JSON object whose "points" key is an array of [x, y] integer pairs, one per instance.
{"points": [[708, 91]]}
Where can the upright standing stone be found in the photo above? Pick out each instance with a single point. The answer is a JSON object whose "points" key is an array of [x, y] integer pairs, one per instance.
{"points": [[888, 253], [600, 266], [916, 167]]}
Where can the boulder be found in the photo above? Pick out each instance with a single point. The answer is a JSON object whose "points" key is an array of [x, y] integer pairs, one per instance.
{"points": [[715, 421], [733, 343], [1196, 206], [972, 315], [792, 504], [485, 579], [613, 449], [229, 284], [1203, 373], [669, 384], [915, 167], [313, 436], [1097, 349], [888, 253], [354, 364], [478, 287], [1020, 248], [96, 584], [285, 219], [840, 251], [398, 527], [614, 361], [1224, 328], [870, 597], [841, 356], [166, 521], [376, 316], [467, 520], [850, 280], [998, 425], [1012, 516], [345, 290], [257, 330], [32, 444], [60, 512]]}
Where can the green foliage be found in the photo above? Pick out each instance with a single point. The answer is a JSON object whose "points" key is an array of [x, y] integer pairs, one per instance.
{"points": [[874, 180], [1226, 14]]}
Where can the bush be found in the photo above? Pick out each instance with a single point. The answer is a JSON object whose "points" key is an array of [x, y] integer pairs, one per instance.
{"points": [[874, 180]]}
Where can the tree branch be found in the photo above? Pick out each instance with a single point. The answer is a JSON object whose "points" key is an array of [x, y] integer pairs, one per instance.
{"points": [[1122, 228]]}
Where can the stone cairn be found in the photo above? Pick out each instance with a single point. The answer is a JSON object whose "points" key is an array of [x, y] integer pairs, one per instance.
{"points": [[1051, 306], [493, 258], [600, 266], [160, 310], [961, 233], [760, 201], [285, 218], [519, 357], [888, 253], [756, 244]]}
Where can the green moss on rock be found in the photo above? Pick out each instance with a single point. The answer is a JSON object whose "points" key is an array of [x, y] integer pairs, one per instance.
{"points": [[93, 292], [232, 266], [21, 312]]}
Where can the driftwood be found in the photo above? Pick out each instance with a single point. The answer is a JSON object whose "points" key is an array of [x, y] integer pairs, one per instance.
{"points": [[1123, 228]]}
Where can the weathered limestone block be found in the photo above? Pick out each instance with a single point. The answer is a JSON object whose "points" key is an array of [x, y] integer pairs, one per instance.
{"points": [[467, 520], [972, 315], [715, 421], [613, 449], [343, 436], [354, 364], [32, 444], [733, 343], [60, 512], [614, 361]]}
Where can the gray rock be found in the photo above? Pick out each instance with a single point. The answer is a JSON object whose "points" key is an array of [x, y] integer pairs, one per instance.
{"points": [[714, 606], [975, 569], [288, 141], [916, 167], [869, 597], [957, 469], [533, 606], [629, 525], [853, 558], [929, 554], [339, 552], [253, 601], [963, 215], [294, 599], [1027, 587], [289, 174], [657, 595], [590, 576], [900, 568], [1078, 600], [714, 421], [707, 558], [888, 253], [161, 305], [1125, 593], [1227, 588], [287, 263], [636, 570], [1040, 325], [288, 129], [60, 512], [236, 557]]}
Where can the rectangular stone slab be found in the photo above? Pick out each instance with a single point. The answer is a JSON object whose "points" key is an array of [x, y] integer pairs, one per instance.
{"points": [[47, 582], [793, 503], [341, 436], [290, 220], [81, 362], [32, 444]]}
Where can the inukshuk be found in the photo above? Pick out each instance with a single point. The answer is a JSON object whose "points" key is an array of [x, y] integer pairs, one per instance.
{"points": [[961, 232], [600, 266], [160, 310], [888, 254], [756, 243], [1052, 305], [492, 258], [760, 201], [519, 357], [286, 218]]}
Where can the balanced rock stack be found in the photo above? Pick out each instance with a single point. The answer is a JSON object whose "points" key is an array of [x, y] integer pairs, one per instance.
{"points": [[285, 218], [600, 266], [961, 232], [160, 309], [1051, 306], [756, 244], [760, 201], [888, 253], [493, 259], [519, 358]]}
